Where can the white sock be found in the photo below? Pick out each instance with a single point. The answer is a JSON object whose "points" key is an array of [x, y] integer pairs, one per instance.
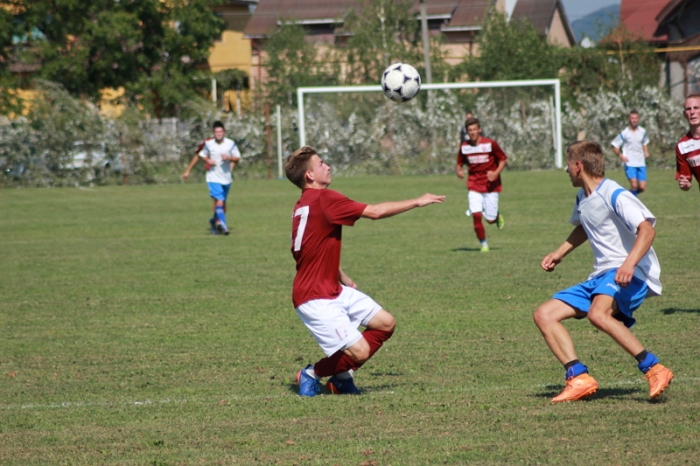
{"points": [[345, 375], [310, 371]]}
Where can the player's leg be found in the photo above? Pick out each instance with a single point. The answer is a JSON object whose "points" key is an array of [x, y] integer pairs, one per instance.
{"points": [[641, 179], [213, 193], [476, 207], [335, 329], [491, 213], [631, 174], [612, 312], [218, 193], [548, 317]]}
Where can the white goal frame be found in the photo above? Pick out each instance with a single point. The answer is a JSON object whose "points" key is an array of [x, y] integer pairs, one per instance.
{"points": [[557, 130]]}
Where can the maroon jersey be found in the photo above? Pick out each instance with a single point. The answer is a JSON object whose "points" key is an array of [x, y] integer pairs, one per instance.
{"points": [[481, 158], [317, 226], [688, 157]]}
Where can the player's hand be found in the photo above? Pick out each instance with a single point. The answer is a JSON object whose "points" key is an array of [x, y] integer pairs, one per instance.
{"points": [[460, 174], [624, 159], [624, 274], [684, 182], [491, 175], [427, 199], [185, 176], [550, 261]]}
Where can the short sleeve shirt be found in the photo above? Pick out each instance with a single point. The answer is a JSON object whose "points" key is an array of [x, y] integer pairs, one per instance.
{"points": [[480, 159], [220, 171], [317, 225], [632, 144], [612, 230], [688, 157]]}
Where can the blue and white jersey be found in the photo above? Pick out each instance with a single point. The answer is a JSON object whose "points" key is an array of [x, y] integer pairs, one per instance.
{"points": [[632, 144], [220, 171], [611, 216]]}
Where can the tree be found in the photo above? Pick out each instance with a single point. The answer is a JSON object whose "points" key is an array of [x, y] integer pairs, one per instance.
{"points": [[510, 50], [151, 48], [381, 32], [292, 62], [621, 62]]}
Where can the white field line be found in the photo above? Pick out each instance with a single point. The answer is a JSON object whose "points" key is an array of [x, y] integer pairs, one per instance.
{"points": [[227, 398]]}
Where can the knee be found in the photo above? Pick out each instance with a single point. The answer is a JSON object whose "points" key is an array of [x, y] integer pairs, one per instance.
{"points": [[542, 316], [597, 319], [359, 352]]}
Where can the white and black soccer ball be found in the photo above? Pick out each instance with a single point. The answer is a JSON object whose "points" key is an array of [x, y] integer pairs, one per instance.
{"points": [[400, 82]]}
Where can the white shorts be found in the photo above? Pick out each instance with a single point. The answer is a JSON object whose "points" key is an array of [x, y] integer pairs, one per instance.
{"points": [[334, 322], [487, 203]]}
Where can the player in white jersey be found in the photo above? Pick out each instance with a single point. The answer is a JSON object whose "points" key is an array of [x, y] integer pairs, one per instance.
{"points": [[620, 230], [220, 155], [631, 146]]}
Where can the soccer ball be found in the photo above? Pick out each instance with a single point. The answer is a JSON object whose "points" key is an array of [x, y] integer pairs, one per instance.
{"points": [[400, 82]]}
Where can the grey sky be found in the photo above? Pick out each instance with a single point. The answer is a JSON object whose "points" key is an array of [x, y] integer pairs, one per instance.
{"points": [[577, 9]]}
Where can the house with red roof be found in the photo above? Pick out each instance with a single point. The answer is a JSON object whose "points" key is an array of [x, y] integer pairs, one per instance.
{"points": [[459, 21]]}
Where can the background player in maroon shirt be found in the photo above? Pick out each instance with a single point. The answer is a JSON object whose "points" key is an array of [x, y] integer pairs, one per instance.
{"points": [[688, 147], [485, 160], [325, 298]]}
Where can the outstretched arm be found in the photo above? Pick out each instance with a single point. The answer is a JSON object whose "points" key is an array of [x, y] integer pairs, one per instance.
{"points": [[389, 209], [577, 237], [193, 162], [645, 236]]}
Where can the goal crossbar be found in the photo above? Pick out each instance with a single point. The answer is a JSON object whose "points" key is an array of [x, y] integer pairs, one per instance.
{"points": [[301, 91]]}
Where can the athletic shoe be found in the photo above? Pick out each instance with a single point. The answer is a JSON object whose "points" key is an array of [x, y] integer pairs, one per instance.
{"points": [[484, 249], [577, 388], [500, 222], [659, 377], [342, 386], [308, 386], [223, 229]]}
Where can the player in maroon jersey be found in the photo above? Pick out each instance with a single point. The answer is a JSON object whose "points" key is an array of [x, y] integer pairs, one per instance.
{"points": [[485, 160], [688, 147], [325, 298]]}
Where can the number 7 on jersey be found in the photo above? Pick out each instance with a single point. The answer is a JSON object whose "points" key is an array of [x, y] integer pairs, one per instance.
{"points": [[302, 212]]}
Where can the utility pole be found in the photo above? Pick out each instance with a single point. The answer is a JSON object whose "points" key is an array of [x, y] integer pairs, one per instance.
{"points": [[426, 42]]}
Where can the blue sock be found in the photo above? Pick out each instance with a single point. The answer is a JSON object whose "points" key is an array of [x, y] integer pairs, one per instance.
{"points": [[574, 369], [648, 362], [221, 216], [635, 192]]}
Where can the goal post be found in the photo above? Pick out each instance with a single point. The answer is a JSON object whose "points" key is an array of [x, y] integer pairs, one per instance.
{"points": [[547, 107]]}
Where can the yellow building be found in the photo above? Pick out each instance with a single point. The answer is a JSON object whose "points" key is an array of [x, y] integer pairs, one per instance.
{"points": [[233, 51]]}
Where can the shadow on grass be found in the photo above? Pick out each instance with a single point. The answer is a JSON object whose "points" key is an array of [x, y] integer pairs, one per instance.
{"points": [[553, 391], [471, 249], [673, 310]]}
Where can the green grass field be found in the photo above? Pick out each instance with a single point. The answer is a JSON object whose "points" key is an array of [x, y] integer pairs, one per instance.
{"points": [[131, 336]]}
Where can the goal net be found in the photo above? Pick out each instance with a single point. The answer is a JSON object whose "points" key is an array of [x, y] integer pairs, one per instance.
{"points": [[359, 131]]}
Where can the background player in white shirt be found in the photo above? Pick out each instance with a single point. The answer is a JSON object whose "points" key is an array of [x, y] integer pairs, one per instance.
{"points": [[631, 146], [620, 230], [220, 155]]}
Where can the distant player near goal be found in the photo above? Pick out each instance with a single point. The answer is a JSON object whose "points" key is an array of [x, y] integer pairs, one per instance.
{"points": [[325, 298], [620, 230], [688, 147], [485, 160]]}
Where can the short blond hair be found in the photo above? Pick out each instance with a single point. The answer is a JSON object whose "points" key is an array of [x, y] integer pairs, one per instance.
{"points": [[591, 156], [297, 164]]}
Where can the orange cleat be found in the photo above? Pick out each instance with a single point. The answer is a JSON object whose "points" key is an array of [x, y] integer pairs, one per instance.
{"points": [[577, 388], [659, 378]]}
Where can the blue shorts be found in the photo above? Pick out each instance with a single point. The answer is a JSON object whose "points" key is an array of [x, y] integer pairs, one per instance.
{"points": [[219, 191], [628, 299], [636, 173]]}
